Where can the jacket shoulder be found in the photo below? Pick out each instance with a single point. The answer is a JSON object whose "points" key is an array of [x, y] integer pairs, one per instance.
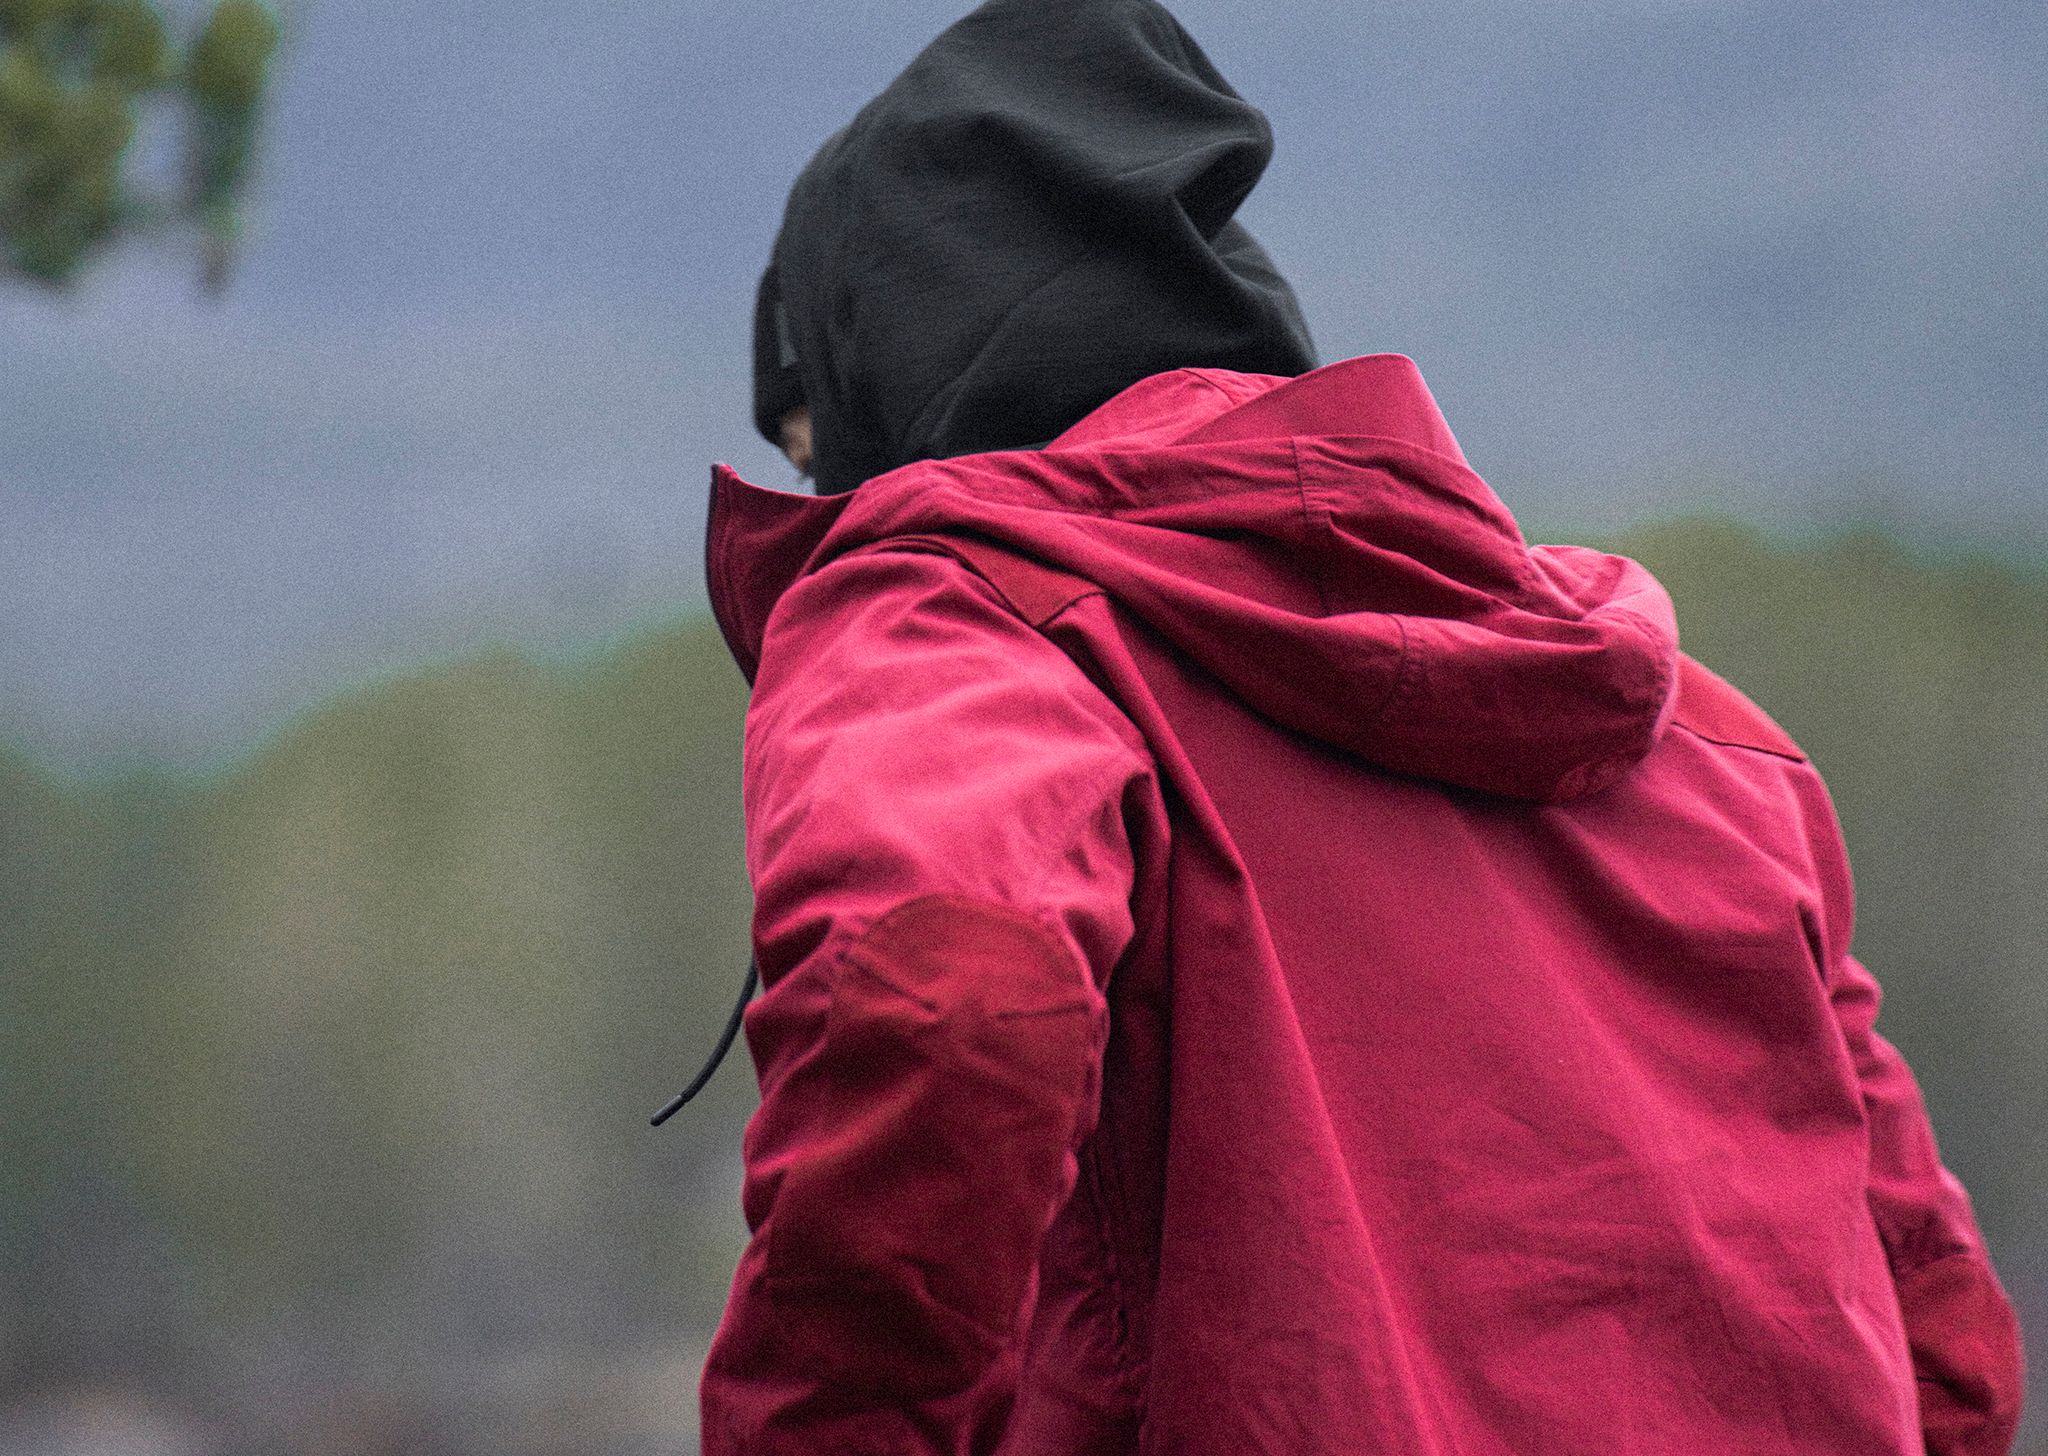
{"points": [[1712, 708], [1032, 589]]}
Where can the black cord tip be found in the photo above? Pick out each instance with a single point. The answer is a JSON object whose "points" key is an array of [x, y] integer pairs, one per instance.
{"points": [[732, 1029]]}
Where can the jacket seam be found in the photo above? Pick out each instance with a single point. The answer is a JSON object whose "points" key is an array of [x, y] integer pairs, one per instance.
{"points": [[1106, 1178], [1107, 788], [1108, 1205], [1217, 380], [932, 546], [1308, 524], [1202, 376], [852, 956], [937, 546], [1906, 1269], [1207, 487], [1725, 742]]}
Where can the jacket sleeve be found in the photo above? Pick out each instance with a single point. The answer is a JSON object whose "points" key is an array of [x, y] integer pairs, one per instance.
{"points": [[1960, 1327], [935, 831]]}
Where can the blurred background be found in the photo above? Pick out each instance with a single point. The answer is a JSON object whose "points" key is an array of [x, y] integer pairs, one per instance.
{"points": [[369, 847]]}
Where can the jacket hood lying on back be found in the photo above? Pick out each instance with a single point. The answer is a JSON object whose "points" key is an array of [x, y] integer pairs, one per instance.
{"points": [[1317, 545], [1035, 215]]}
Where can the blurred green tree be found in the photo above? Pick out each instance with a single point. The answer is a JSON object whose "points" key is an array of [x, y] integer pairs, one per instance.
{"points": [[75, 75]]}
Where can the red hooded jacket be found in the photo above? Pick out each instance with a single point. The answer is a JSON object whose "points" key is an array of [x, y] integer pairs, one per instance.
{"points": [[1259, 959]]}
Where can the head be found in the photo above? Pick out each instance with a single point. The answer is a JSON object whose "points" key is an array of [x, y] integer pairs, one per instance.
{"points": [[1035, 215]]}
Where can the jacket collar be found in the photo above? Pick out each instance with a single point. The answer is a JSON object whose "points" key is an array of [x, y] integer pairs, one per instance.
{"points": [[758, 542]]}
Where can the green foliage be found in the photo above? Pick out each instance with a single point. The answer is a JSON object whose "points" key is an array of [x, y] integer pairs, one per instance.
{"points": [[73, 74], [229, 60], [129, 47], [379, 1014]]}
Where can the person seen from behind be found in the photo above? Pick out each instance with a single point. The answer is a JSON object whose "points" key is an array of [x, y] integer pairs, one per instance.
{"points": [[1258, 958]]}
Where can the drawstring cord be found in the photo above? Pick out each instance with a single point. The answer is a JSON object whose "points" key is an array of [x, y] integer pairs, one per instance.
{"points": [[732, 1029]]}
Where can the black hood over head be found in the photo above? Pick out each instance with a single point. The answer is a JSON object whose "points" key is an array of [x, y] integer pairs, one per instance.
{"points": [[1032, 217]]}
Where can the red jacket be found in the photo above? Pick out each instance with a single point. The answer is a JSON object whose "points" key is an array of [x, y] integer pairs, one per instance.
{"points": [[1258, 959]]}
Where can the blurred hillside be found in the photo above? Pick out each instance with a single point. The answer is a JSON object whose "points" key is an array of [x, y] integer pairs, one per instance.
{"points": [[333, 1072], [326, 1091]]}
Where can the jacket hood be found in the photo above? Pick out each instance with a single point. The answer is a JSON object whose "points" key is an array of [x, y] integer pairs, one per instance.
{"points": [[1035, 215], [1318, 545]]}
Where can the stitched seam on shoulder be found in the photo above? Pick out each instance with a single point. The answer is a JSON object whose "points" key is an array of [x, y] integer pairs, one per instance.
{"points": [[1202, 376], [1109, 787], [916, 547], [1407, 674], [1725, 742], [1233, 394], [1308, 522]]}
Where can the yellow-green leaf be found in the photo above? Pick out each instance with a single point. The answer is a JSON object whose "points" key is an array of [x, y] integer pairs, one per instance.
{"points": [[229, 61]]}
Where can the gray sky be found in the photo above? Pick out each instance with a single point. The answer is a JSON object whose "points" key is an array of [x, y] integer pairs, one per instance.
{"points": [[490, 327]]}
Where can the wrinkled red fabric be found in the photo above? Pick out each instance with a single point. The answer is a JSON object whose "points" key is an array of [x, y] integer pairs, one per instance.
{"points": [[1259, 959]]}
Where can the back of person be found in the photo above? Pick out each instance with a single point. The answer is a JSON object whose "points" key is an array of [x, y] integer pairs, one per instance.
{"points": [[1258, 957], [1518, 1128]]}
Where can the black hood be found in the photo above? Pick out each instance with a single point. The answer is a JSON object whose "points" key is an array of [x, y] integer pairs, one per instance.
{"points": [[1032, 217]]}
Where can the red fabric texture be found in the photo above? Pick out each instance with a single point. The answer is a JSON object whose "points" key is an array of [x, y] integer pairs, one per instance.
{"points": [[1257, 958], [1966, 1349]]}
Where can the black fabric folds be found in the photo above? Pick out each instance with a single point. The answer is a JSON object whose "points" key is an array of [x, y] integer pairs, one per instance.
{"points": [[1033, 216], [778, 388]]}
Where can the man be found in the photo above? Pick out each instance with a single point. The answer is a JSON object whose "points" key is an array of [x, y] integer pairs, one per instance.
{"points": [[1257, 957]]}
